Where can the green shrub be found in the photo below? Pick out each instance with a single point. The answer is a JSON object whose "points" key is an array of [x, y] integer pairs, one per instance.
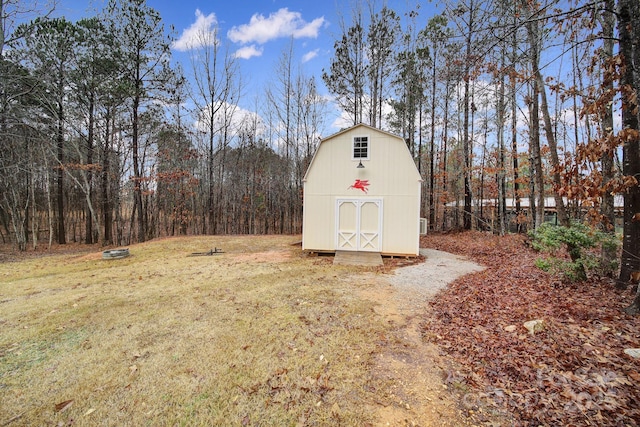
{"points": [[581, 244], [543, 264]]}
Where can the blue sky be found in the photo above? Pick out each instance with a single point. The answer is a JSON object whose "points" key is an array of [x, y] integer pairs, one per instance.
{"points": [[257, 35], [258, 31]]}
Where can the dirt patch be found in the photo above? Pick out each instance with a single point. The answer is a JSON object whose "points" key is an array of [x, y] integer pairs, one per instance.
{"points": [[416, 392], [94, 256], [269, 256]]}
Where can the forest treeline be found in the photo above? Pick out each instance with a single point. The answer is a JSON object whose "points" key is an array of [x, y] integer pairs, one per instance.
{"points": [[504, 105], [99, 144]]}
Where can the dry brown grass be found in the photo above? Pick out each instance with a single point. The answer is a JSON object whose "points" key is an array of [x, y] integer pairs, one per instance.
{"points": [[259, 335]]}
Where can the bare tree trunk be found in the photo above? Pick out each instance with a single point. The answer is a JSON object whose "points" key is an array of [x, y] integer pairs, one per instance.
{"points": [[466, 144], [514, 129], [107, 207], [18, 220], [50, 212], [534, 125], [34, 206], [608, 254], [483, 161], [137, 175], [537, 177], [432, 151], [60, 176], [89, 212], [628, 16], [501, 154], [445, 136], [561, 210]]}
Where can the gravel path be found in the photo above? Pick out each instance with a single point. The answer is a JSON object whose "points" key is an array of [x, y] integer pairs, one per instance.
{"points": [[427, 278], [416, 394]]}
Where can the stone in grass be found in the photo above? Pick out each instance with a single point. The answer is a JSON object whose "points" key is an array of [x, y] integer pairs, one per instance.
{"points": [[510, 328], [534, 326], [633, 352]]}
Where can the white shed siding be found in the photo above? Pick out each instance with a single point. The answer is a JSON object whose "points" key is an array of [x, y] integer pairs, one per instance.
{"points": [[391, 175], [318, 223], [402, 231]]}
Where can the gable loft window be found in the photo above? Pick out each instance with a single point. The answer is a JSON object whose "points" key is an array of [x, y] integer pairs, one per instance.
{"points": [[361, 147]]}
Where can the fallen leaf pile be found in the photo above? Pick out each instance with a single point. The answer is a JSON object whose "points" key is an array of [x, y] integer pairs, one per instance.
{"points": [[571, 370]]}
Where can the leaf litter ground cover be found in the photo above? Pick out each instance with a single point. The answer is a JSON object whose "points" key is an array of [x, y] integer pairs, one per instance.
{"points": [[573, 372]]}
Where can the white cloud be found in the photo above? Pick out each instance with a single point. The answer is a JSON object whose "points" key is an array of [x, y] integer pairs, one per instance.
{"points": [[310, 55], [237, 118], [200, 33], [248, 52], [344, 119], [282, 23]]}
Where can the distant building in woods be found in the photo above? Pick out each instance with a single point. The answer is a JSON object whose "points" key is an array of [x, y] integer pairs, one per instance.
{"points": [[486, 209], [362, 193]]}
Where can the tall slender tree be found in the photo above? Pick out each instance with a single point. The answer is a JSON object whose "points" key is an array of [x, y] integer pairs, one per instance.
{"points": [[629, 36], [607, 209], [217, 84], [345, 78], [533, 102], [92, 80], [382, 37], [145, 49], [437, 35], [51, 46], [469, 19]]}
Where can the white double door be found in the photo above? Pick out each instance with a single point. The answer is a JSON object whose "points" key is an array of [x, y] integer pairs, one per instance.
{"points": [[359, 225]]}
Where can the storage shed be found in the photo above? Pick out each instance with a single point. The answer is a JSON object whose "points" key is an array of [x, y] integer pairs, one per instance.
{"points": [[362, 193]]}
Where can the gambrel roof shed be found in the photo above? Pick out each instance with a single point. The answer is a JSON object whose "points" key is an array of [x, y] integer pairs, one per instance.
{"points": [[362, 193]]}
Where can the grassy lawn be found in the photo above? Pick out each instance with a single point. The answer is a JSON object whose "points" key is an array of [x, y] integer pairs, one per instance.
{"points": [[259, 335]]}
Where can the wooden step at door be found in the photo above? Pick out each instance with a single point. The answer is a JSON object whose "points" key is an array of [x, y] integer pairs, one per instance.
{"points": [[372, 259]]}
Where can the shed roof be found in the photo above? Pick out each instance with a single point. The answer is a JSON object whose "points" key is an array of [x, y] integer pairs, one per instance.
{"points": [[341, 131], [349, 129]]}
